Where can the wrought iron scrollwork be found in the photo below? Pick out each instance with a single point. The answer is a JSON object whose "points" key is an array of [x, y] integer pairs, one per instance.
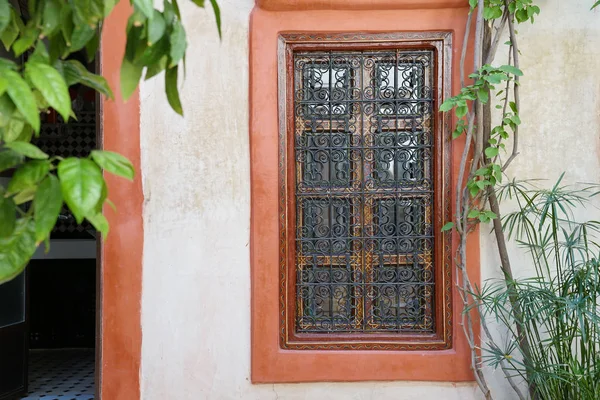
{"points": [[363, 148]]}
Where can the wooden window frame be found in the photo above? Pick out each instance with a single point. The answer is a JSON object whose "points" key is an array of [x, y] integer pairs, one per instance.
{"points": [[440, 44]]}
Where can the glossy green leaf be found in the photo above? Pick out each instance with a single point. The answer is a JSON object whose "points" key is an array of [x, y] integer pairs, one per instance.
{"points": [[47, 204], [20, 93], [13, 130], [51, 16], [178, 44], [511, 69], [11, 31], [26, 40], [145, 6], [483, 95], [130, 77], [17, 249], [9, 159], [448, 226], [82, 34], [28, 175], [8, 215], [172, 90], [108, 6], [27, 149], [114, 163], [156, 28], [156, 68], [67, 25], [217, 12], [100, 223], [76, 72], [491, 152], [199, 3], [7, 109], [155, 53], [51, 85], [4, 15], [40, 54], [91, 47], [81, 183]]}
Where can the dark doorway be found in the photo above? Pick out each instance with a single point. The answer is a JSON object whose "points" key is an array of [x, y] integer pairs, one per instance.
{"points": [[48, 314]]}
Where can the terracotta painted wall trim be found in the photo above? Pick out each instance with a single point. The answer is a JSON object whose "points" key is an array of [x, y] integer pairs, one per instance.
{"points": [[270, 363], [301, 5], [121, 254]]}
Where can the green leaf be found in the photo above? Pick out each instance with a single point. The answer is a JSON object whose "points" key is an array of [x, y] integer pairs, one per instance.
{"points": [[145, 6], [27, 39], [11, 32], [81, 183], [108, 6], [130, 77], [156, 28], [114, 163], [7, 109], [495, 78], [28, 176], [156, 68], [178, 44], [596, 4], [199, 3], [448, 226], [9, 159], [473, 214], [491, 152], [492, 13], [75, 72], [217, 11], [82, 34], [510, 69], [51, 16], [17, 249], [513, 106], [14, 129], [461, 111], [52, 86], [40, 54], [8, 215], [473, 3], [21, 95], [4, 15], [47, 204], [447, 105], [172, 91], [27, 149], [483, 95], [67, 25], [155, 53], [100, 223]]}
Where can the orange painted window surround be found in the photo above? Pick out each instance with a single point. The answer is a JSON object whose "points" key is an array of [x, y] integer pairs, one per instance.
{"points": [[270, 362]]}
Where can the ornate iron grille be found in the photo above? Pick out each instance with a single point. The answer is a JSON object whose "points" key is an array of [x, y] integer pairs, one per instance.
{"points": [[364, 190]]}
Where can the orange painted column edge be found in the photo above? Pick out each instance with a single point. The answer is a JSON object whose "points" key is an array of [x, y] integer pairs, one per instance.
{"points": [[121, 253], [270, 363]]}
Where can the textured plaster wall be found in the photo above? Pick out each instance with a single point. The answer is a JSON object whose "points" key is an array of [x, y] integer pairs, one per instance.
{"points": [[560, 110], [196, 277]]}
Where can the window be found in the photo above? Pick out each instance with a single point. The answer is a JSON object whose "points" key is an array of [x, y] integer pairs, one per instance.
{"points": [[363, 196]]}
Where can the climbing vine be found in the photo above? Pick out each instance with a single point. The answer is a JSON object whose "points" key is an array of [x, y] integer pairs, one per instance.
{"points": [[488, 151]]}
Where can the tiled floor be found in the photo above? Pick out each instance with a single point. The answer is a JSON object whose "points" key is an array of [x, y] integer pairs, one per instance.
{"points": [[61, 375]]}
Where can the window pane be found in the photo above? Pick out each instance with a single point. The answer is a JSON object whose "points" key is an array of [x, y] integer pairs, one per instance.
{"points": [[363, 145]]}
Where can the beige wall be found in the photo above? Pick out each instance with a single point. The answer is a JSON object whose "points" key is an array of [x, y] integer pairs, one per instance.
{"points": [[196, 278], [560, 111]]}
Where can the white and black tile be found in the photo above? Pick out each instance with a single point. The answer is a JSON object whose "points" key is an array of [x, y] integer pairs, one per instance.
{"points": [[61, 375]]}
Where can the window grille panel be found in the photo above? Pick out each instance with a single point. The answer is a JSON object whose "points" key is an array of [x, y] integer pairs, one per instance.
{"points": [[364, 188]]}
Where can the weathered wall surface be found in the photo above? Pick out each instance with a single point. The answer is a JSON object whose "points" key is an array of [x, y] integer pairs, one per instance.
{"points": [[196, 278], [560, 110]]}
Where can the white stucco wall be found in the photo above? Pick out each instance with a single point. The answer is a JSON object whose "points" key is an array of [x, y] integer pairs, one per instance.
{"points": [[196, 272], [560, 110]]}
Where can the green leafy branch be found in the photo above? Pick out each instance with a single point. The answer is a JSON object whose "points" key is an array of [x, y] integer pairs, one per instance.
{"points": [[44, 41]]}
